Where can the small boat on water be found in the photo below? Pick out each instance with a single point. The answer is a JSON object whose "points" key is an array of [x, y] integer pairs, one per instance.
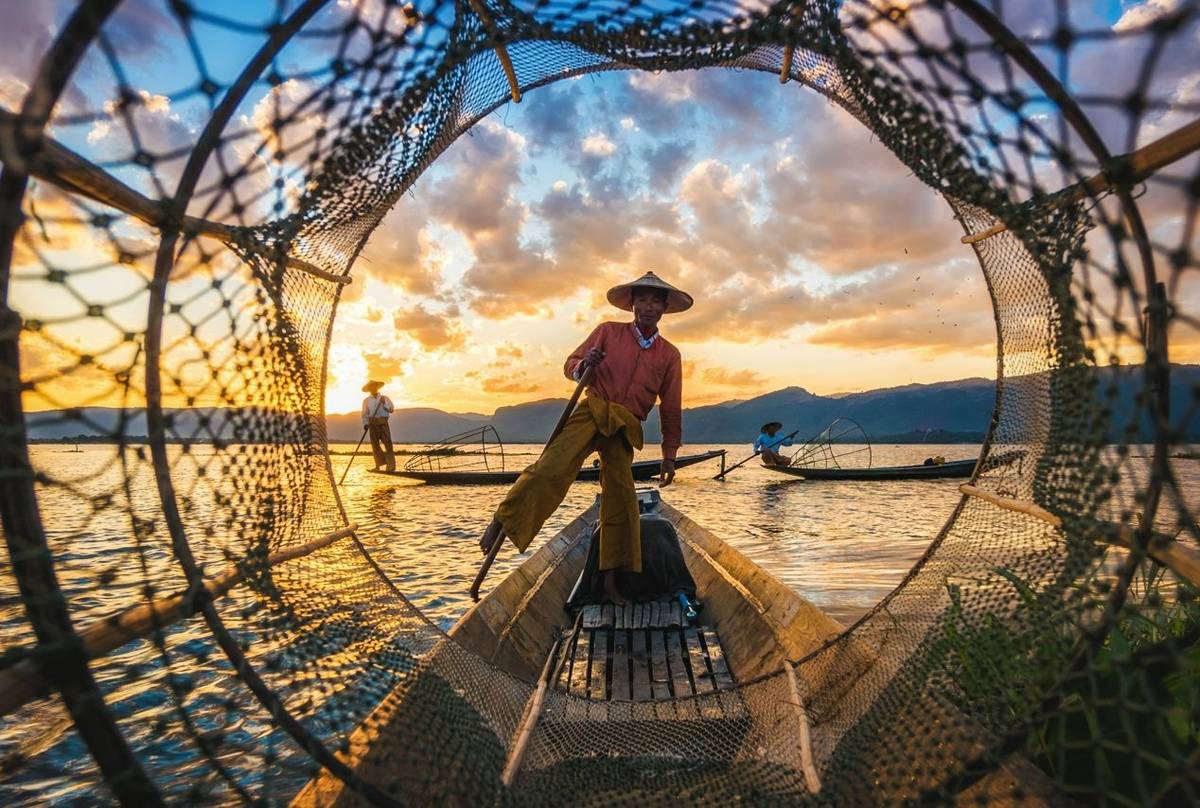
{"points": [[931, 471], [954, 468], [642, 470]]}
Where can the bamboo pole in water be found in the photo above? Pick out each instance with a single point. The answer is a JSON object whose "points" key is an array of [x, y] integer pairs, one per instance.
{"points": [[1179, 558], [23, 681]]}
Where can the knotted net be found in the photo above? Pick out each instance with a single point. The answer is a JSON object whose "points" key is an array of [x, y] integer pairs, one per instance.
{"points": [[172, 280]]}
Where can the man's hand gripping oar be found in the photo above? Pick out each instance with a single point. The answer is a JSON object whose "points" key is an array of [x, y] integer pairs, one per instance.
{"points": [[493, 537]]}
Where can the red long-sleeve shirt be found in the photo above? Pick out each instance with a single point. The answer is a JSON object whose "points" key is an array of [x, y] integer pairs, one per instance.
{"points": [[634, 377]]}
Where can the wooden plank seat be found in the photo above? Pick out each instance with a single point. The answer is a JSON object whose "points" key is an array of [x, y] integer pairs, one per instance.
{"points": [[641, 652]]}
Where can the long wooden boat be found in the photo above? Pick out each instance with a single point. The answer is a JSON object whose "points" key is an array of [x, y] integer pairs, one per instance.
{"points": [[955, 468], [642, 470], [615, 686], [750, 624]]}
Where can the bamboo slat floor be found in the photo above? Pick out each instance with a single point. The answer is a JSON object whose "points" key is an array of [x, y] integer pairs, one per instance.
{"points": [[641, 652]]}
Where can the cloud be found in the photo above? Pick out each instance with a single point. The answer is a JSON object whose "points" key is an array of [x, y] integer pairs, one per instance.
{"points": [[598, 144], [477, 197], [945, 311], [552, 117], [434, 331], [27, 33], [508, 350], [845, 203], [732, 378], [586, 230], [510, 383], [402, 252], [384, 366], [666, 161]]}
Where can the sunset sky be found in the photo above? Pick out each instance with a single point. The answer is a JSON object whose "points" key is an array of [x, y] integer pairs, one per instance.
{"points": [[814, 257]]}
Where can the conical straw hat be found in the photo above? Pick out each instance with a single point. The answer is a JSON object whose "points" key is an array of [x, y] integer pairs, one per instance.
{"points": [[622, 296]]}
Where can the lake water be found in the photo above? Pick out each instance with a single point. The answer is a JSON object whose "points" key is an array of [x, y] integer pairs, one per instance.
{"points": [[842, 545]]}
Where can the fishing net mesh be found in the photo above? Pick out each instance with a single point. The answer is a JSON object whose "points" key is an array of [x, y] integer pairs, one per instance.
{"points": [[174, 244]]}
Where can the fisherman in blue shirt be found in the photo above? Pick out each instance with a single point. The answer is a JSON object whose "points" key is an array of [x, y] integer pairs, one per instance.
{"points": [[768, 445]]}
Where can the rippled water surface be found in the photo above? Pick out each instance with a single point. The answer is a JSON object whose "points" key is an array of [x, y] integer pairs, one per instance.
{"points": [[842, 545]]}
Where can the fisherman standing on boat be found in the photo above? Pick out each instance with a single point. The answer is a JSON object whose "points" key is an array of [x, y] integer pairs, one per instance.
{"points": [[768, 445], [375, 412], [631, 366]]}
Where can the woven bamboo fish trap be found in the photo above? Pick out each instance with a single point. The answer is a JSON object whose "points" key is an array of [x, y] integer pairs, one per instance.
{"points": [[185, 270]]}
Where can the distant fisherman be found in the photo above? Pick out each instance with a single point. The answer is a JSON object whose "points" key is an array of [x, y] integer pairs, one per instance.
{"points": [[375, 412], [632, 366], [769, 445]]}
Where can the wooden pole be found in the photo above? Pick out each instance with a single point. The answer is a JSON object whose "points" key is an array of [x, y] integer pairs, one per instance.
{"points": [[501, 52], [584, 378], [1124, 170], [65, 169], [533, 711], [811, 779], [23, 681], [360, 440], [1179, 558]]}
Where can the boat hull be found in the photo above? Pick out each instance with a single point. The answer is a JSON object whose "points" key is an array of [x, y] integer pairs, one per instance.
{"points": [[762, 620], [955, 469], [643, 470]]}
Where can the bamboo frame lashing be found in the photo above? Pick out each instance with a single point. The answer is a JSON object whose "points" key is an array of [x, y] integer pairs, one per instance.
{"points": [[812, 780], [1180, 559], [785, 69], [533, 710], [1137, 165], [67, 170], [501, 52], [23, 681]]}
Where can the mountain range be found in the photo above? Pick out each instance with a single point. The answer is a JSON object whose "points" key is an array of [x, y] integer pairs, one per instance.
{"points": [[942, 412]]}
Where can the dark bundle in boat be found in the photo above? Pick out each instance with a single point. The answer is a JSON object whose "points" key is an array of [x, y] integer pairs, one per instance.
{"points": [[664, 573]]}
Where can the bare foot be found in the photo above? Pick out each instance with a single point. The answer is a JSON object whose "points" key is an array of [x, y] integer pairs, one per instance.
{"points": [[490, 536], [610, 589]]}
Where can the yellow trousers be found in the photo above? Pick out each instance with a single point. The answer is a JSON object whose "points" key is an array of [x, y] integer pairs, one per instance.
{"points": [[595, 425]]}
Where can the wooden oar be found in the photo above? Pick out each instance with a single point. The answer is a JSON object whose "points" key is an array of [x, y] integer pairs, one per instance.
{"points": [[354, 454], [562, 421], [721, 476]]}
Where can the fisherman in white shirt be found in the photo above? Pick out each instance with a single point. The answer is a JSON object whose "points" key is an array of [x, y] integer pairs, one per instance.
{"points": [[375, 412]]}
